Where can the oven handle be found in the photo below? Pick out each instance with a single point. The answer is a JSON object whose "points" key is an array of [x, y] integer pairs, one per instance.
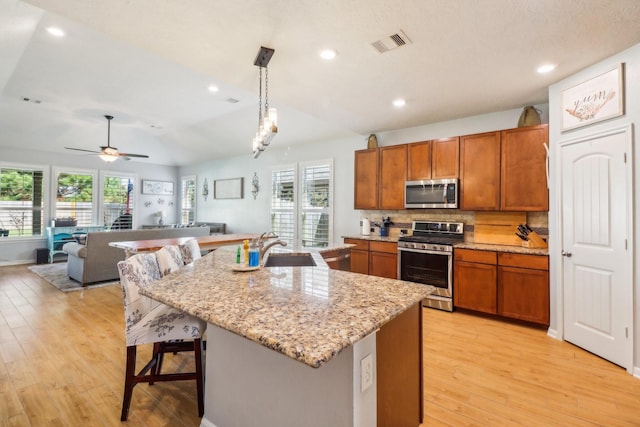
{"points": [[424, 251]]}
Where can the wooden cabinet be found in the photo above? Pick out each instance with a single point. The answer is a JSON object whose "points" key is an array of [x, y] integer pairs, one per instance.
{"points": [[523, 169], [504, 170], [392, 176], [474, 280], [419, 160], [507, 284], [445, 158], [480, 172], [359, 255], [366, 179], [523, 287], [433, 159], [374, 257], [383, 259]]}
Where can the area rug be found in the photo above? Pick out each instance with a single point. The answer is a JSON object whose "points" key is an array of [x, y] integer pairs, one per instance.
{"points": [[56, 274]]}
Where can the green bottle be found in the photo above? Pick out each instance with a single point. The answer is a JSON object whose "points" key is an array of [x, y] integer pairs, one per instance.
{"points": [[238, 256]]}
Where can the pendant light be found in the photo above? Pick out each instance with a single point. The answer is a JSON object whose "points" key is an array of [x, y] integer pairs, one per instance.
{"points": [[267, 118]]}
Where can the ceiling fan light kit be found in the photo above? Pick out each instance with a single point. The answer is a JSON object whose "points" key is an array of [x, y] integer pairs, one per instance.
{"points": [[267, 118], [107, 152]]}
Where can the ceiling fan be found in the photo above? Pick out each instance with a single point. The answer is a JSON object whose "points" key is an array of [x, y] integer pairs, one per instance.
{"points": [[107, 152]]}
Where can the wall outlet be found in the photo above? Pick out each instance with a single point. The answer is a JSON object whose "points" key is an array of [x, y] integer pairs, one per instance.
{"points": [[366, 372]]}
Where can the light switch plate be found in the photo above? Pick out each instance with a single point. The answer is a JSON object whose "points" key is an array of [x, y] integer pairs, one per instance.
{"points": [[366, 372]]}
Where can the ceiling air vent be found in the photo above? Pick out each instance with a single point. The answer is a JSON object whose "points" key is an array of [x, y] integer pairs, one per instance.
{"points": [[232, 101], [393, 41]]}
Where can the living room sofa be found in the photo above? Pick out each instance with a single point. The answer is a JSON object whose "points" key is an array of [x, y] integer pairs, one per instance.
{"points": [[96, 261]]}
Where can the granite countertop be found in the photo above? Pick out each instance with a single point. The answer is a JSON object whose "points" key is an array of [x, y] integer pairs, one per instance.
{"points": [[502, 248], [307, 313], [373, 237], [467, 245]]}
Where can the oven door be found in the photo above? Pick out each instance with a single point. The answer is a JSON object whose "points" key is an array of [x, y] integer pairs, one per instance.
{"points": [[426, 267]]}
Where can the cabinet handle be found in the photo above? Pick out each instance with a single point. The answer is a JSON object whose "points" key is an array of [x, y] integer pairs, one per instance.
{"points": [[546, 147], [567, 254]]}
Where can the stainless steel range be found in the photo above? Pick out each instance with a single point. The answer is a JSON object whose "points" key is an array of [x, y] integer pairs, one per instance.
{"points": [[427, 257]]}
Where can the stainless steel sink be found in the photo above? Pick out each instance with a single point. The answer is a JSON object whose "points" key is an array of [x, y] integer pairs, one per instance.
{"points": [[295, 259]]}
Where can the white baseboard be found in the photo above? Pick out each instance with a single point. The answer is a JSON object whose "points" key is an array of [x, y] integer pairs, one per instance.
{"points": [[206, 423], [17, 262], [553, 333], [636, 372]]}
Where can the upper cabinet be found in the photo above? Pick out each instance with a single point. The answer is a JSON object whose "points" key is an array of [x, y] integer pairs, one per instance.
{"points": [[433, 159], [480, 171], [504, 170], [524, 168], [499, 171], [366, 179], [393, 174], [380, 174], [445, 155]]}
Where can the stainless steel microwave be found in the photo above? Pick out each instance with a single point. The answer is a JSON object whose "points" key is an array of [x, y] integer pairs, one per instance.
{"points": [[431, 194]]}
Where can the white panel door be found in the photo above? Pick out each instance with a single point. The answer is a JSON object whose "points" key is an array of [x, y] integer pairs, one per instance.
{"points": [[596, 232]]}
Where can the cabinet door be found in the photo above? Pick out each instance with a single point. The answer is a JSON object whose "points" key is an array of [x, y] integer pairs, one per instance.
{"points": [[523, 294], [480, 172], [366, 179], [523, 175], [359, 261], [419, 160], [475, 286], [445, 158], [393, 174], [383, 264]]}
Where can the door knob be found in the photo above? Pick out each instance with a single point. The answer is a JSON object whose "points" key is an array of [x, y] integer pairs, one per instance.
{"points": [[567, 254]]}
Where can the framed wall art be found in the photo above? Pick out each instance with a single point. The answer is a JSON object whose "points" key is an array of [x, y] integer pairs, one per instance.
{"points": [[158, 188], [228, 188], [599, 98]]}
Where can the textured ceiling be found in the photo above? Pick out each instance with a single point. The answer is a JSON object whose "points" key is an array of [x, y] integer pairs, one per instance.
{"points": [[148, 63]]}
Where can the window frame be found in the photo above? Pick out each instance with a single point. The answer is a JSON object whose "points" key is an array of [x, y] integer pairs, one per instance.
{"points": [[78, 171], [46, 194], [297, 209], [103, 174], [194, 205]]}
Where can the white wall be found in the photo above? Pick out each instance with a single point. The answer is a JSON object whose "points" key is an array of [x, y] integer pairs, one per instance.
{"points": [[631, 58], [22, 250]]}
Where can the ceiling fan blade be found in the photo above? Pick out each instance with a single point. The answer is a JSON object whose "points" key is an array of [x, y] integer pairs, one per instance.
{"points": [[81, 149], [142, 156]]}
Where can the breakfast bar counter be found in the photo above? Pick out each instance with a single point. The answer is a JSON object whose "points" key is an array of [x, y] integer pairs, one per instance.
{"points": [[265, 325]]}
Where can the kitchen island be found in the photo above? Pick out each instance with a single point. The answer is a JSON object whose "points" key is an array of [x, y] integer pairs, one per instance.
{"points": [[291, 346]]}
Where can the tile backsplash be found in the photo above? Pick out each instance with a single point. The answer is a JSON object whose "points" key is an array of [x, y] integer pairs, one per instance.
{"points": [[402, 219]]}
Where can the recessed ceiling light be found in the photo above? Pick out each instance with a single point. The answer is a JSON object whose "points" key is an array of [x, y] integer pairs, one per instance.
{"points": [[213, 88], [54, 31], [328, 54], [399, 102], [546, 68]]}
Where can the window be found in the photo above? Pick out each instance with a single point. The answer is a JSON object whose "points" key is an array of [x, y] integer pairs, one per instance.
{"points": [[301, 209], [75, 196], [117, 201], [21, 201], [188, 194], [283, 209], [314, 204]]}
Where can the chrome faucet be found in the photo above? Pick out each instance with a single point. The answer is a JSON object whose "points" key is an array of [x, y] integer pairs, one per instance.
{"points": [[264, 237]]}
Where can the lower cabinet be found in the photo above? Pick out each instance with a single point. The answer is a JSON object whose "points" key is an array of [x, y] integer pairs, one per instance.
{"points": [[359, 255], [475, 280], [374, 257], [383, 259], [507, 284]]}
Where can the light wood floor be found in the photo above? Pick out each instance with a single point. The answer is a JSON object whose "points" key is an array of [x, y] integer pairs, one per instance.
{"points": [[62, 362]]}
